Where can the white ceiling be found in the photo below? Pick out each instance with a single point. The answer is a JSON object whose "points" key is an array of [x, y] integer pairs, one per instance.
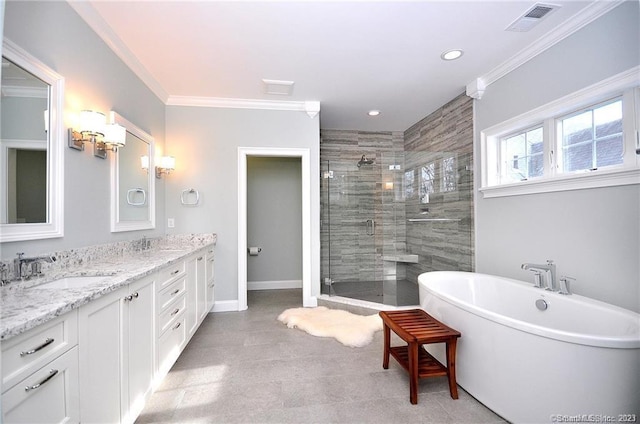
{"points": [[351, 56]]}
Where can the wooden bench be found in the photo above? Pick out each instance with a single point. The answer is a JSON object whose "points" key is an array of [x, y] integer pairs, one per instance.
{"points": [[417, 328]]}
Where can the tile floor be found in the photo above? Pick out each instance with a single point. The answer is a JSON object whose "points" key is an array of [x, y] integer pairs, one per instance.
{"points": [[246, 367]]}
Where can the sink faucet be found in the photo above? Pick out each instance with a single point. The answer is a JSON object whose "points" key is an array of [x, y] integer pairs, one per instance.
{"points": [[21, 263], [549, 270]]}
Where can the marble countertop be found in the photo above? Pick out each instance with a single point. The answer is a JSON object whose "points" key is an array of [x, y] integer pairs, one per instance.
{"points": [[23, 307]]}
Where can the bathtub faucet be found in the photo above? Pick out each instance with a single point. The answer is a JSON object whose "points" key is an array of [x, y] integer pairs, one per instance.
{"points": [[549, 270]]}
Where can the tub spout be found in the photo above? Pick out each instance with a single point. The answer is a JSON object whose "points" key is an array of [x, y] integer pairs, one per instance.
{"points": [[549, 270]]}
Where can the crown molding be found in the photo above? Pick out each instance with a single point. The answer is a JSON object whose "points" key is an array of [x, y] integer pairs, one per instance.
{"points": [[578, 21], [89, 14], [310, 107]]}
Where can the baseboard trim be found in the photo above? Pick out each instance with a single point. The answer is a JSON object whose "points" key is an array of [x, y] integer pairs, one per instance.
{"points": [[274, 285], [225, 306]]}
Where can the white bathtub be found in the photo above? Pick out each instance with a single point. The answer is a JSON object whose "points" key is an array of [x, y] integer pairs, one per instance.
{"points": [[576, 361]]}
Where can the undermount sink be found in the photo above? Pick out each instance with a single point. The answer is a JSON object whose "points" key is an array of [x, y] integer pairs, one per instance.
{"points": [[70, 282]]}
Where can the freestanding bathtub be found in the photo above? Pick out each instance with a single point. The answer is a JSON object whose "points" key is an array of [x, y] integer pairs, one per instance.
{"points": [[576, 361]]}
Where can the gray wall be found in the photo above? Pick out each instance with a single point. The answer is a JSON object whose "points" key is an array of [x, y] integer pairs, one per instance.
{"points": [[594, 234], [274, 220], [55, 34], [205, 143]]}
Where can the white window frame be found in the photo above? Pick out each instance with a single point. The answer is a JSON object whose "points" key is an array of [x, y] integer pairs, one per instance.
{"points": [[625, 84]]}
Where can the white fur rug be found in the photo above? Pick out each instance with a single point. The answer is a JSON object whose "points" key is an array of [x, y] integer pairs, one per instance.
{"points": [[349, 329]]}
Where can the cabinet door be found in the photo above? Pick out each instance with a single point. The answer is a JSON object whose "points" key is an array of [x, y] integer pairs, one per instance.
{"points": [[201, 287], [191, 317], [210, 279], [100, 343], [49, 395], [139, 339]]}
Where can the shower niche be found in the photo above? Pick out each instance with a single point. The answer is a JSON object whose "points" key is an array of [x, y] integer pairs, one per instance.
{"points": [[387, 217]]}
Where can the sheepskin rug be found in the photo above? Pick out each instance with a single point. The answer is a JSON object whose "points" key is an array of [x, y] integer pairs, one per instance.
{"points": [[349, 329]]}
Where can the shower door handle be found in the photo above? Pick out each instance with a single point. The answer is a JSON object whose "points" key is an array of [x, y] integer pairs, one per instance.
{"points": [[371, 227]]}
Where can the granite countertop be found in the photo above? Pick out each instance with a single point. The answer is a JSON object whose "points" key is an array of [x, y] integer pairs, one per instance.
{"points": [[23, 307]]}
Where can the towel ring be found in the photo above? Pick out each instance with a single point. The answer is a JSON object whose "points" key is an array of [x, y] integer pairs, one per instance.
{"points": [[185, 195], [131, 194]]}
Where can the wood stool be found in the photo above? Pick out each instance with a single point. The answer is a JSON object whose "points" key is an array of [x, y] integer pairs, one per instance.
{"points": [[417, 328]]}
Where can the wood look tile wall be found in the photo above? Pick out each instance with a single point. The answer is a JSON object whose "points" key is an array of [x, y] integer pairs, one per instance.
{"points": [[352, 195]]}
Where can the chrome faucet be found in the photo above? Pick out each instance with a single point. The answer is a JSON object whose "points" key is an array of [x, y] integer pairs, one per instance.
{"points": [[20, 265], [565, 287], [549, 270]]}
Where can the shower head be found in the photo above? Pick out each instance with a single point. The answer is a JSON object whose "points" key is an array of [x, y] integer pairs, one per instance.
{"points": [[364, 161]]}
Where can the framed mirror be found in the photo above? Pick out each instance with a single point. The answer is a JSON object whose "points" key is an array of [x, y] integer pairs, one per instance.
{"points": [[132, 180], [31, 147]]}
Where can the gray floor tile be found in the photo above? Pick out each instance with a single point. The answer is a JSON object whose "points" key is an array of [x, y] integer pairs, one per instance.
{"points": [[246, 367]]}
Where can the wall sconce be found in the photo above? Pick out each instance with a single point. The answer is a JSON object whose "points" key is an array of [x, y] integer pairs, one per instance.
{"points": [[114, 136], [167, 164], [91, 126]]}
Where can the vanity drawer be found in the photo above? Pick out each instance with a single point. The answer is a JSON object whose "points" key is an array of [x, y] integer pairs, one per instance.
{"points": [[49, 395], [169, 274], [173, 312], [27, 352], [171, 293], [171, 343]]}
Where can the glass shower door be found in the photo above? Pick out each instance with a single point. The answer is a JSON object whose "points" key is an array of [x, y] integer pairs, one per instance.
{"points": [[351, 233]]}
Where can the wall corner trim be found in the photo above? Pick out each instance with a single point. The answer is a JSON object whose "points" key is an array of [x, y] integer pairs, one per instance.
{"points": [[310, 107]]}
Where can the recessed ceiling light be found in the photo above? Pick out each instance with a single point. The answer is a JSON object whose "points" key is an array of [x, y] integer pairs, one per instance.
{"points": [[373, 113], [451, 54]]}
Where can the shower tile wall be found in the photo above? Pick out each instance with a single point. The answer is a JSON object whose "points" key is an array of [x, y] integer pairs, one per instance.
{"points": [[444, 134], [358, 194], [442, 245]]}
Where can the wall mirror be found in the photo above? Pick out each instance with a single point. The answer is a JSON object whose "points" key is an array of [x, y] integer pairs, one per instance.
{"points": [[132, 180], [31, 137]]}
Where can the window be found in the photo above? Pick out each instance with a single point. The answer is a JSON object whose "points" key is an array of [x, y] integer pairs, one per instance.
{"points": [[592, 138], [427, 182], [408, 184], [448, 174], [522, 155], [587, 139]]}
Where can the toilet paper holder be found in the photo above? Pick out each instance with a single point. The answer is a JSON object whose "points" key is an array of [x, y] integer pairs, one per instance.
{"points": [[253, 251]]}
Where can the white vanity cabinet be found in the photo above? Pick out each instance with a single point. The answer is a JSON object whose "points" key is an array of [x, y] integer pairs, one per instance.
{"points": [[116, 336], [40, 374]]}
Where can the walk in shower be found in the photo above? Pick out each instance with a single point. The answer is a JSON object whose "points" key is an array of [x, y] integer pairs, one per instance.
{"points": [[387, 217]]}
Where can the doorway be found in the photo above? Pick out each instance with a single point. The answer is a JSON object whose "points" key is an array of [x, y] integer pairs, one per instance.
{"points": [[244, 153]]}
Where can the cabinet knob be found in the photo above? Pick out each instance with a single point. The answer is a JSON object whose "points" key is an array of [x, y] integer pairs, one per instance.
{"points": [[136, 295], [128, 298]]}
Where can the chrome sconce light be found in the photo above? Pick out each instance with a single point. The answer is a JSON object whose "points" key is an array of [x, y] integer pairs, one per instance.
{"points": [[167, 164], [115, 136], [93, 128]]}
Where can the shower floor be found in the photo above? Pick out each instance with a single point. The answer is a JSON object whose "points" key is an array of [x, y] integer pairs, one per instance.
{"points": [[389, 292]]}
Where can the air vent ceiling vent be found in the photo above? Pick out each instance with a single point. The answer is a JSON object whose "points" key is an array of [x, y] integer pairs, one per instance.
{"points": [[532, 17]]}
